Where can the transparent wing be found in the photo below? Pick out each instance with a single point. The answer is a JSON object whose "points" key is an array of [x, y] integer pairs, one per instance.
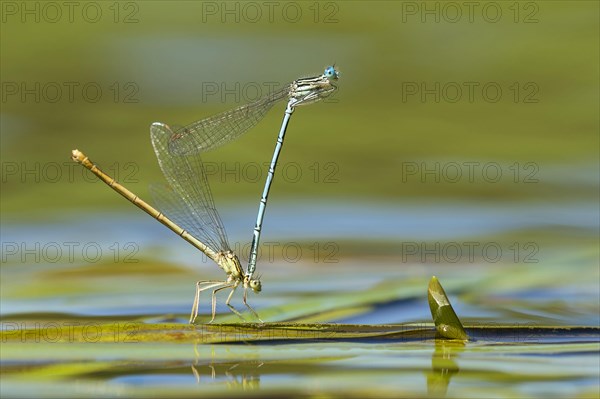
{"points": [[168, 202], [188, 199], [217, 130]]}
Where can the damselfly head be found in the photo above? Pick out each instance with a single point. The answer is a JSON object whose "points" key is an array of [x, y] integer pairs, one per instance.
{"points": [[331, 73], [255, 284]]}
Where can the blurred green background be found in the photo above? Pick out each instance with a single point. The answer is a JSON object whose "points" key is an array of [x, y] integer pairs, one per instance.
{"points": [[397, 112]]}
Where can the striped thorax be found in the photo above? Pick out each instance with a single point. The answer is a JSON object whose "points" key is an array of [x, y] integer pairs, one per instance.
{"points": [[309, 90], [230, 263]]}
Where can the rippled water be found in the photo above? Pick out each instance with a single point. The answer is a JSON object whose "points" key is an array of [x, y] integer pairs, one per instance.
{"points": [[503, 304]]}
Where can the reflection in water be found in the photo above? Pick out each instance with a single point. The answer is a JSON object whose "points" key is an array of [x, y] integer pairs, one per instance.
{"points": [[443, 366], [238, 375]]}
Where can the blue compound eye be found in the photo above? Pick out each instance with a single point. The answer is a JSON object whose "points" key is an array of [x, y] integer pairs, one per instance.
{"points": [[330, 72]]}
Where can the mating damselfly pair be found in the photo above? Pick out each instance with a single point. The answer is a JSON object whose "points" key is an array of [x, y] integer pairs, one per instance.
{"points": [[186, 205]]}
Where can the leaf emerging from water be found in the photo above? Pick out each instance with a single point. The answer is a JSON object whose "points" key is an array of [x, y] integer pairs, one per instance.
{"points": [[446, 321]]}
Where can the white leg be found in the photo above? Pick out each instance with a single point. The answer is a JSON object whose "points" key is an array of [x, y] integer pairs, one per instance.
{"points": [[234, 310], [208, 285], [231, 307], [195, 305], [250, 307]]}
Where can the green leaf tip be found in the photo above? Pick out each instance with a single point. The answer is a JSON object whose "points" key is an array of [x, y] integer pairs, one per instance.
{"points": [[446, 321]]}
